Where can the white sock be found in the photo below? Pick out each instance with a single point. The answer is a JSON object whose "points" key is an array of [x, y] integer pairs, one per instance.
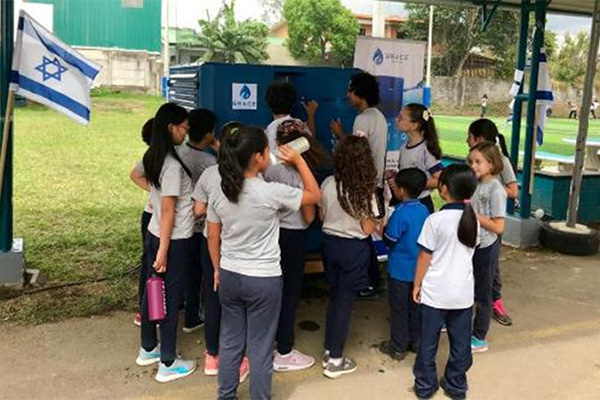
{"points": [[336, 361]]}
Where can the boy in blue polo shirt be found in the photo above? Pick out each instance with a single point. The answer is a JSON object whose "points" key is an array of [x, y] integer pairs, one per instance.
{"points": [[401, 234]]}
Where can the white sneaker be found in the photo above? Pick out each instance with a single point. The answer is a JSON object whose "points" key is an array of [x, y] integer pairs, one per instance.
{"points": [[294, 361], [148, 357], [179, 369]]}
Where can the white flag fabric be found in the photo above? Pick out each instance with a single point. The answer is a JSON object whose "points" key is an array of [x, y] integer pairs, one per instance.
{"points": [[49, 72], [544, 96]]}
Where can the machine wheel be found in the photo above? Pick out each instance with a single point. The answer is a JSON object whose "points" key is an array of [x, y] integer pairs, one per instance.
{"points": [[578, 241]]}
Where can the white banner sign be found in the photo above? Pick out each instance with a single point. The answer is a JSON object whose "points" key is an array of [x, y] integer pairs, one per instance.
{"points": [[389, 57], [243, 96]]}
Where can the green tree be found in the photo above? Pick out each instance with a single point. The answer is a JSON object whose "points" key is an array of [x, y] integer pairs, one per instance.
{"points": [[230, 41], [570, 62], [272, 11], [458, 31], [322, 31]]}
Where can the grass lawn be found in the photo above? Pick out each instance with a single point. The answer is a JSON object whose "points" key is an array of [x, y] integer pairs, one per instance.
{"points": [[79, 213], [453, 134], [75, 206]]}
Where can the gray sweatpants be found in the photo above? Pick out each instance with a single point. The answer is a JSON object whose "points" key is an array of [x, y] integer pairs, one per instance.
{"points": [[249, 315]]}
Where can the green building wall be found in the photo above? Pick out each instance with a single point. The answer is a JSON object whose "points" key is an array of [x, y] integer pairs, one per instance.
{"points": [[125, 24]]}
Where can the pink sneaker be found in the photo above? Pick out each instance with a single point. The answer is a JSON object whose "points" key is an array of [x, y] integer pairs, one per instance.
{"points": [[211, 364], [244, 369], [500, 314], [137, 321], [294, 361]]}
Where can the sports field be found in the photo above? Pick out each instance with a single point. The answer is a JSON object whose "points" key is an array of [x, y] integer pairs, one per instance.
{"points": [[453, 134]]}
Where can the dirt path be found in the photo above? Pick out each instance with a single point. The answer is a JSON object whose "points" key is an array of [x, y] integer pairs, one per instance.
{"points": [[552, 351]]}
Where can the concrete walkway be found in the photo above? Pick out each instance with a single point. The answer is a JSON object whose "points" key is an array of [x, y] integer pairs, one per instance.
{"points": [[551, 352]]}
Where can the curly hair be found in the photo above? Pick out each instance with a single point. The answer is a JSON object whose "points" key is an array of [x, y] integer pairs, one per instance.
{"points": [[355, 176]]}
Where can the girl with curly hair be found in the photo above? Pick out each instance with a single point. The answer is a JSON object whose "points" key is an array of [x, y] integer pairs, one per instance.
{"points": [[347, 211]]}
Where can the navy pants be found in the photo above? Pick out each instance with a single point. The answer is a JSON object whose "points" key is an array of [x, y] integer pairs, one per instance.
{"points": [[483, 271], [346, 264], [193, 282], [458, 324], [144, 221], [250, 307], [404, 316], [497, 283], [292, 244], [212, 304], [174, 278]]}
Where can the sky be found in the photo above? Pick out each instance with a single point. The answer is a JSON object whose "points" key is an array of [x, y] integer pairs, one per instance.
{"points": [[185, 13]]}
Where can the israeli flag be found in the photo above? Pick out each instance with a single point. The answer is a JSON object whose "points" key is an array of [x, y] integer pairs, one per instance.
{"points": [[49, 72], [544, 96]]}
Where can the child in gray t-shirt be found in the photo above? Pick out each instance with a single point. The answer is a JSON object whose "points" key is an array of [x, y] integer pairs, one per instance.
{"points": [[480, 131], [489, 203], [421, 150], [483, 130], [243, 236]]}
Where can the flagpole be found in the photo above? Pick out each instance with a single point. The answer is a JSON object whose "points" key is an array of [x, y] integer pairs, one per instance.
{"points": [[5, 137]]}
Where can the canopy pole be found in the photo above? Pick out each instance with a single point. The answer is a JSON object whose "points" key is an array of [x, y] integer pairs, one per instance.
{"points": [[584, 119], [517, 108], [528, 157], [6, 52]]}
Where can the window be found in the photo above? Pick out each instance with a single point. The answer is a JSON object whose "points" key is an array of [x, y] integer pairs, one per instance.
{"points": [[132, 3], [362, 32]]}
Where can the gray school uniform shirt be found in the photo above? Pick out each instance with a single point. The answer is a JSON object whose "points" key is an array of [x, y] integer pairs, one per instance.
{"points": [[336, 221], [209, 181], [250, 228], [418, 156], [372, 124], [174, 182], [489, 200], [197, 161], [288, 219], [508, 174], [139, 168]]}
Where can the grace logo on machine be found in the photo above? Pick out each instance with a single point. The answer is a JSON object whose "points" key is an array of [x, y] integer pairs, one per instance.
{"points": [[244, 96]]}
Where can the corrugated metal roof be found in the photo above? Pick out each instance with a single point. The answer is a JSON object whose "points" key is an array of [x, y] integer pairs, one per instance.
{"points": [[580, 7]]}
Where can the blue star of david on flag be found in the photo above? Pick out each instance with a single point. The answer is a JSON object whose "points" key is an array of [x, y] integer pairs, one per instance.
{"points": [[47, 72]]}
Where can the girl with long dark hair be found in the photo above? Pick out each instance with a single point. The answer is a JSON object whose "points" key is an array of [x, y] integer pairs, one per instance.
{"points": [[443, 285], [292, 237], [243, 235], [169, 238]]}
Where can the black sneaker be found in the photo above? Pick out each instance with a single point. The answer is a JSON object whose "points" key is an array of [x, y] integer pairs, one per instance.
{"points": [[189, 328], [449, 394], [370, 293], [386, 348]]}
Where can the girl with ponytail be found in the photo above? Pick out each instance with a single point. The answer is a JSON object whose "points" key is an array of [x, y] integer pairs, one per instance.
{"points": [[243, 236], [169, 238], [481, 131], [422, 149], [443, 285]]}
